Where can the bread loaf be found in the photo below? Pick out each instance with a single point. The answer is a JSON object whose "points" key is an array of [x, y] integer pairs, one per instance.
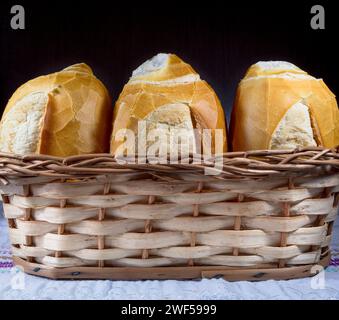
{"points": [[166, 93], [61, 114], [280, 106]]}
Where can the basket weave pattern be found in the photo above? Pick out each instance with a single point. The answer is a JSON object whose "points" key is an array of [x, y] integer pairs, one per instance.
{"points": [[266, 209]]}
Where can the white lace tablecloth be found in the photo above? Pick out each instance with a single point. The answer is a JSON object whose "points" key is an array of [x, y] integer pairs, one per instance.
{"points": [[16, 285]]}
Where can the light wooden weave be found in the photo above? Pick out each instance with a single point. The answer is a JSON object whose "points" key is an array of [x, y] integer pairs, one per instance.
{"points": [[266, 209]]}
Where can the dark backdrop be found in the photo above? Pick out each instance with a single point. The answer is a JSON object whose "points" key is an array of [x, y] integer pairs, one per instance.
{"points": [[219, 41]]}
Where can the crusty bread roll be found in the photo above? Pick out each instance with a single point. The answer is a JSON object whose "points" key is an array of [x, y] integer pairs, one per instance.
{"points": [[279, 106], [61, 114], [167, 93]]}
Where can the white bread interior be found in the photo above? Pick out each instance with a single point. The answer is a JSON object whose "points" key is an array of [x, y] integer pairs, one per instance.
{"points": [[22, 125], [174, 122], [294, 129]]}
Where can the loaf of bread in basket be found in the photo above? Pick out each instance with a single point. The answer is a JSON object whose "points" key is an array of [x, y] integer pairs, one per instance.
{"points": [[167, 94], [61, 114], [280, 106]]}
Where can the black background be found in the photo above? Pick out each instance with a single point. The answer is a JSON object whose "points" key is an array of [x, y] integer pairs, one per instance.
{"points": [[219, 40]]}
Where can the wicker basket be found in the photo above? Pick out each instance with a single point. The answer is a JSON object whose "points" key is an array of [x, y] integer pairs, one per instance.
{"points": [[267, 215]]}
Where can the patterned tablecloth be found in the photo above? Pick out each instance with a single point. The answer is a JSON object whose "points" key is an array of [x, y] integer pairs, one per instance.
{"points": [[16, 285]]}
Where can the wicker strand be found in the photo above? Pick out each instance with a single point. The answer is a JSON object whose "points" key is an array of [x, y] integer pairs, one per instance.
{"points": [[326, 250], [286, 213], [195, 214], [283, 235], [61, 227], [148, 228], [101, 217], [237, 225], [5, 199], [27, 217], [321, 221]]}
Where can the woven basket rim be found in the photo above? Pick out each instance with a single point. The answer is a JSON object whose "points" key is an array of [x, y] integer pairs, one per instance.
{"points": [[255, 163]]}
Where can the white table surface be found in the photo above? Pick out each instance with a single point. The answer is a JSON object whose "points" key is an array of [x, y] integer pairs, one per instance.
{"points": [[16, 285]]}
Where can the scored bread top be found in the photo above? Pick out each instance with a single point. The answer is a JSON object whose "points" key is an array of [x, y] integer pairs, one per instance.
{"points": [[263, 68], [61, 114], [165, 82]]}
